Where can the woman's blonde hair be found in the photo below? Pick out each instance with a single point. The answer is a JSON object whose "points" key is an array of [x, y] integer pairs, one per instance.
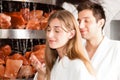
{"points": [[74, 48]]}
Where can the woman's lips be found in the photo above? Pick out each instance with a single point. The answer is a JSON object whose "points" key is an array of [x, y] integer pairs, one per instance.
{"points": [[51, 41]]}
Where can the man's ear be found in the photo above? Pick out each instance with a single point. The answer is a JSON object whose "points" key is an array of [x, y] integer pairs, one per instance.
{"points": [[72, 34], [101, 22]]}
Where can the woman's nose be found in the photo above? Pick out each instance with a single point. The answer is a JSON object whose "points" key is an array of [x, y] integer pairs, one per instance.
{"points": [[50, 34]]}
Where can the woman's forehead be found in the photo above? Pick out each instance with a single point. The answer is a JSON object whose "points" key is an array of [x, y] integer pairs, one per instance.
{"points": [[56, 23]]}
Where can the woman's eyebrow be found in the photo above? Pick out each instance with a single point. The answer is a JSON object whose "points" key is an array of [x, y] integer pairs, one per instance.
{"points": [[57, 26], [53, 26]]}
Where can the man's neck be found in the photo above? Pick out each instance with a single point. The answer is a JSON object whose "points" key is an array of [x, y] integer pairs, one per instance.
{"points": [[92, 45]]}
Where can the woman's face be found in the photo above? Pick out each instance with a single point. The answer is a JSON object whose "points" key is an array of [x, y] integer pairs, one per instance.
{"points": [[57, 35]]}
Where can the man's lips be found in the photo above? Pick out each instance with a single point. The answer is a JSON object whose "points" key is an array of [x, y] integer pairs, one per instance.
{"points": [[82, 31]]}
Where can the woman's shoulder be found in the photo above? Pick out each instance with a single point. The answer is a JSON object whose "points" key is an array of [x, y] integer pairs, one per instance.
{"points": [[77, 64], [76, 61], [78, 68]]}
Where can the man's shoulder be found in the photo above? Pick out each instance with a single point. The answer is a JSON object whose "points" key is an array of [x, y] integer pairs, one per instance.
{"points": [[113, 41], [114, 44]]}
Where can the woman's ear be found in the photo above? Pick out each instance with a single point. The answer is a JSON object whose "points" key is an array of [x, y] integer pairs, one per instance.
{"points": [[72, 34]]}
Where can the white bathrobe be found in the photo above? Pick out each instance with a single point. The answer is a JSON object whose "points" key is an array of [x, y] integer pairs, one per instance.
{"points": [[67, 69], [106, 60]]}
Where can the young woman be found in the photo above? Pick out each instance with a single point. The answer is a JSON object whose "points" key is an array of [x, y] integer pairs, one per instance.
{"points": [[64, 54]]}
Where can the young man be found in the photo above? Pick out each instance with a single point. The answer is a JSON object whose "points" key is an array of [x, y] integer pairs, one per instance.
{"points": [[103, 52]]}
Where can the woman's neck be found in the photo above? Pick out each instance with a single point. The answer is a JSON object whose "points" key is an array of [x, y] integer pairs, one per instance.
{"points": [[61, 52]]}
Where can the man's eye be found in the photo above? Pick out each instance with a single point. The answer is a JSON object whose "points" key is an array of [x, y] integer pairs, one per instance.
{"points": [[79, 22], [87, 21]]}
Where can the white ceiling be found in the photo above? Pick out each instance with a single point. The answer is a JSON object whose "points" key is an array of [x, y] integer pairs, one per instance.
{"points": [[112, 7]]}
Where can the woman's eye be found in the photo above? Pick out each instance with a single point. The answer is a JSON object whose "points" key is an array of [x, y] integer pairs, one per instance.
{"points": [[57, 31], [48, 30], [87, 21]]}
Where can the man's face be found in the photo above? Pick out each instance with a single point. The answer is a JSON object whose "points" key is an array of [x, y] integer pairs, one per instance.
{"points": [[88, 24]]}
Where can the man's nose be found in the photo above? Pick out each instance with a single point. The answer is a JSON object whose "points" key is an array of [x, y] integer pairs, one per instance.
{"points": [[81, 25]]}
